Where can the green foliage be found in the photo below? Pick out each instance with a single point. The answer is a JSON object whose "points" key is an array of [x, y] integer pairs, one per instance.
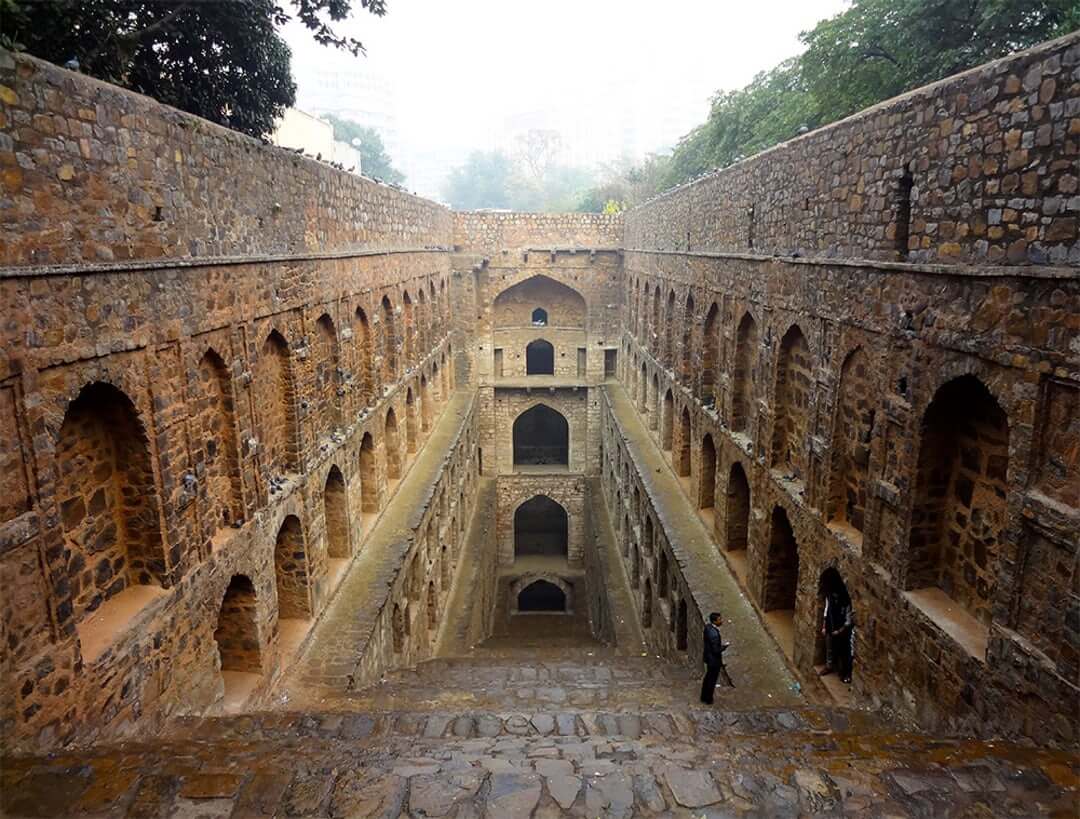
{"points": [[221, 60], [376, 162], [484, 181], [874, 50], [626, 184], [532, 180], [880, 48]]}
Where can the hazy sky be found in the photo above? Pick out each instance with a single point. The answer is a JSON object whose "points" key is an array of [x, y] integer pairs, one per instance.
{"points": [[460, 68]]}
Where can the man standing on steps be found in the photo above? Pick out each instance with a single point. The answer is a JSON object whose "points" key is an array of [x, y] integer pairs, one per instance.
{"points": [[714, 659]]}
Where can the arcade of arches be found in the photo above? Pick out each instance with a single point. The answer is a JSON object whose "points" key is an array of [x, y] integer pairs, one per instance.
{"points": [[379, 470]]}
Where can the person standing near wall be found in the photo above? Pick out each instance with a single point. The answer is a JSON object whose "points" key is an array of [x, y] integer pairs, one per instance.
{"points": [[713, 657], [838, 629]]}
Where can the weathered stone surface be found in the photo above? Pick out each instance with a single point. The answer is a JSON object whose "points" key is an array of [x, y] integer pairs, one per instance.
{"points": [[691, 789], [513, 796]]}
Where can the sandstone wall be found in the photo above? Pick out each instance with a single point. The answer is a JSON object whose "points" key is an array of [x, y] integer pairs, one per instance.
{"points": [[206, 408], [97, 174], [488, 232], [979, 168], [908, 424]]}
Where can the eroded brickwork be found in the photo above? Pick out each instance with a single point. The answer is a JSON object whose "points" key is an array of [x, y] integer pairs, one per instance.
{"points": [[223, 364], [909, 425]]}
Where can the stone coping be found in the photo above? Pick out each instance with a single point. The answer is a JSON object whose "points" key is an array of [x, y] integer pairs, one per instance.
{"points": [[933, 269], [179, 262]]}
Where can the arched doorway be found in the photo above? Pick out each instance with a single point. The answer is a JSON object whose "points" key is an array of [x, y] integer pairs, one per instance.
{"points": [[707, 489], [336, 515], [237, 637], [667, 422], [541, 596], [393, 447], [682, 455], [541, 438], [738, 509], [539, 358], [782, 566], [960, 496], [541, 527], [833, 600]]}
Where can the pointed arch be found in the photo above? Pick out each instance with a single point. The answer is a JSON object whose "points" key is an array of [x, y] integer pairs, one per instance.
{"points": [[710, 355], [425, 404], [276, 401], [667, 422], [707, 487], [291, 570], [390, 343], [410, 421], [669, 331], [561, 305], [792, 403], [540, 357], [408, 329], [685, 368], [327, 361], [657, 327], [961, 485], [108, 500], [365, 374], [738, 509], [781, 565], [369, 477], [682, 455], [850, 452], [335, 511], [742, 393], [237, 631], [215, 423], [541, 436], [541, 527], [393, 446]]}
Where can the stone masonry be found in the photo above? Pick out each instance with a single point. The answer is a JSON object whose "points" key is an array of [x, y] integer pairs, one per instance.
{"points": [[265, 427]]}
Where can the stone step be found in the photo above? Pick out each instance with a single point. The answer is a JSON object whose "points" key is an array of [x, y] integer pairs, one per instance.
{"points": [[674, 724]]}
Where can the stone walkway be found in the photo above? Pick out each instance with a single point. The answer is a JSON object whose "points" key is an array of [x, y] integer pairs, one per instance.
{"points": [[329, 661], [778, 763], [754, 660]]}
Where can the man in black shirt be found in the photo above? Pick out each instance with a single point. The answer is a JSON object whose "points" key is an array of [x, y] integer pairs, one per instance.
{"points": [[713, 658]]}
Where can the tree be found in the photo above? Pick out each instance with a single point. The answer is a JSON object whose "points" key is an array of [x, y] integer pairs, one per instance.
{"points": [[484, 181], [221, 60], [880, 48], [875, 50], [376, 162]]}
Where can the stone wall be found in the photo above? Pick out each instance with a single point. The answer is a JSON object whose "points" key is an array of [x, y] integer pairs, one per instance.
{"points": [[195, 435], [905, 423], [484, 232], [979, 168], [97, 174]]}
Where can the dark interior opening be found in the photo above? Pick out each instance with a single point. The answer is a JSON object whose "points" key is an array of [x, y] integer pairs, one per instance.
{"points": [[540, 317], [541, 438], [540, 358], [540, 528], [541, 596]]}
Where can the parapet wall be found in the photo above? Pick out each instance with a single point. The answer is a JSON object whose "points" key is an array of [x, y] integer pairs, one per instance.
{"points": [[991, 163], [95, 173], [486, 232]]}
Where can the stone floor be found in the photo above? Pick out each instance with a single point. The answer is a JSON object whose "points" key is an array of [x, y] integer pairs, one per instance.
{"points": [[685, 763], [539, 721]]}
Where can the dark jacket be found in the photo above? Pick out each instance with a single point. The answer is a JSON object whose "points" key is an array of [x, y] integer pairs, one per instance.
{"points": [[714, 646]]}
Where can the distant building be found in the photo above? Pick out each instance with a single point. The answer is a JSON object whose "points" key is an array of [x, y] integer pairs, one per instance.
{"points": [[314, 136]]}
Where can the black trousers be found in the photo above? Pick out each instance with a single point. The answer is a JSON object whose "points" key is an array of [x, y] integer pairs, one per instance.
{"points": [[712, 674], [841, 654]]}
